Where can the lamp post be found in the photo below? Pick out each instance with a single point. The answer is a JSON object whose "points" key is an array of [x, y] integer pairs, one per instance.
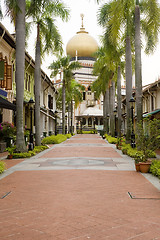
{"points": [[108, 123], [94, 122], [71, 126], [65, 124], [132, 101], [115, 113], [81, 124], [31, 145], [55, 122]]}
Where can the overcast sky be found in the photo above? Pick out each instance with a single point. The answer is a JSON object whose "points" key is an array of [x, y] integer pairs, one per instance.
{"points": [[150, 64]]}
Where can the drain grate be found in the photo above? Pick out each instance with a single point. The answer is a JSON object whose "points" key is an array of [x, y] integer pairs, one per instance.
{"points": [[5, 195], [144, 196]]}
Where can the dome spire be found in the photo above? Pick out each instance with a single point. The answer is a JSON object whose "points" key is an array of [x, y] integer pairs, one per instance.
{"points": [[82, 44], [82, 16], [82, 29]]}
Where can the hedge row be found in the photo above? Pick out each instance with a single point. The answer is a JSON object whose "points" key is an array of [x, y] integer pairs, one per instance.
{"points": [[155, 168], [55, 139], [2, 166], [110, 139], [37, 149]]}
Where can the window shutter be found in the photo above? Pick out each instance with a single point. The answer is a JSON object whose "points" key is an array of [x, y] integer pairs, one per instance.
{"points": [[1, 70], [9, 78]]}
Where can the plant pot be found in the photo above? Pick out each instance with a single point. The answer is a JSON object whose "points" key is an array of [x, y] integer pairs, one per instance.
{"points": [[145, 166], [137, 166], [10, 156]]}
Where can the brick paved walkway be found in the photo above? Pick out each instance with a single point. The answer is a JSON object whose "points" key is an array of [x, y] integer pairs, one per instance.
{"points": [[78, 196]]}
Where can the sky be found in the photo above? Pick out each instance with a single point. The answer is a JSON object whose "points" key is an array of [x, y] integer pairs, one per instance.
{"points": [[150, 64]]}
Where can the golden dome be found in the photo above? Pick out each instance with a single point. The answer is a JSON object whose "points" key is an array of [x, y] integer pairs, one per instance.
{"points": [[82, 44]]}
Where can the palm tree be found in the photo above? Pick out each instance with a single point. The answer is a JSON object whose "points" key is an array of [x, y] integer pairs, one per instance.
{"points": [[116, 53], [117, 17], [151, 10], [73, 93], [16, 9], [1, 15], [67, 67], [103, 68], [119, 101], [48, 40]]}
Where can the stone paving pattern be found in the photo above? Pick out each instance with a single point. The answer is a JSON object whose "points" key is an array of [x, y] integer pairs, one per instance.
{"points": [[78, 197]]}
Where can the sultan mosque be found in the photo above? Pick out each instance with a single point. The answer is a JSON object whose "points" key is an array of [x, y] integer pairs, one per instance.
{"points": [[81, 48]]}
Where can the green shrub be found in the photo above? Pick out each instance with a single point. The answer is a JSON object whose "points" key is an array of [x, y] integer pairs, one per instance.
{"points": [[68, 135], [147, 137], [139, 157], [29, 154], [2, 166], [23, 155], [79, 131], [155, 168], [125, 148], [86, 132], [54, 139], [151, 154], [38, 149], [110, 139], [132, 152]]}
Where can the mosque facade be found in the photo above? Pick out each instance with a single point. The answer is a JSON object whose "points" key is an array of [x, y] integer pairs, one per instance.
{"points": [[81, 48]]}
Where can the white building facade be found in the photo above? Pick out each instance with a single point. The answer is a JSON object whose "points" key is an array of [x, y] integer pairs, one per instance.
{"points": [[81, 48]]}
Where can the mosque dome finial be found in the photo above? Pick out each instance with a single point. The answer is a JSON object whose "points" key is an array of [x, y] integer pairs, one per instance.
{"points": [[82, 44]]}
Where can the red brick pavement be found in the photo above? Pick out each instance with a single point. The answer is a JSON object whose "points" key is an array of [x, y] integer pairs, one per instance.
{"points": [[78, 204], [85, 140], [11, 162], [83, 151], [67, 205]]}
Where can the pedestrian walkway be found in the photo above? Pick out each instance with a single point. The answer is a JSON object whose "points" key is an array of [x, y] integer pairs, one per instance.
{"points": [[81, 189]]}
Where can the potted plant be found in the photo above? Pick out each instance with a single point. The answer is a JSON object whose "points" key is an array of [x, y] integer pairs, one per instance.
{"points": [[138, 158], [10, 150], [147, 140]]}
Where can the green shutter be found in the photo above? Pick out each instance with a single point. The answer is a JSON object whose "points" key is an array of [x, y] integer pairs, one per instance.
{"points": [[1, 70]]}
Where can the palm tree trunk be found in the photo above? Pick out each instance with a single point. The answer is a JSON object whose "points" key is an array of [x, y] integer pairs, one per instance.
{"points": [[72, 117], [107, 109], [37, 77], [19, 75], [69, 117], [104, 113], [128, 87], [138, 67], [119, 100], [112, 106], [63, 106]]}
